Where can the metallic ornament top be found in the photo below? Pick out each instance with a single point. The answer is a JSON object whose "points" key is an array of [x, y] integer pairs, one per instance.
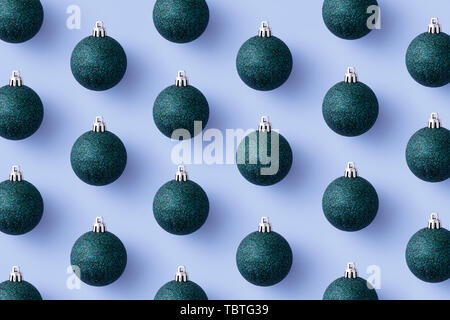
{"points": [[181, 174], [99, 30], [434, 122], [16, 174], [264, 30], [16, 79], [265, 125], [181, 275], [15, 275], [351, 76], [351, 171], [99, 225], [99, 124], [434, 222], [264, 226], [181, 80], [350, 271], [434, 26]]}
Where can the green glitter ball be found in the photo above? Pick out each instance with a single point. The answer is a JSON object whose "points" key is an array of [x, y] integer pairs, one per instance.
{"points": [[428, 153], [181, 289], [98, 257], [20, 20], [21, 205], [347, 19], [98, 62], [98, 158], [181, 206], [428, 58], [350, 109], [21, 110], [350, 203], [18, 289], [179, 107], [264, 62], [264, 257], [427, 253], [180, 21], [264, 171]]}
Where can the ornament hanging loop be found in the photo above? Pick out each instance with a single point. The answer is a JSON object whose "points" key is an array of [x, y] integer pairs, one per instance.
{"points": [[351, 171], [99, 225], [434, 26], [265, 125], [264, 30], [351, 76], [99, 124], [15, 275], [181, 275], [434, 222], [264, 226], [350, 271], [181, 174], [182, 79], [16, 79], [99, 30], [434, 122], [16, 174]]}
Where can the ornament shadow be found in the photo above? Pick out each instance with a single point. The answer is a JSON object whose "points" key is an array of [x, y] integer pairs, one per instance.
{"points": [[49, 29]]}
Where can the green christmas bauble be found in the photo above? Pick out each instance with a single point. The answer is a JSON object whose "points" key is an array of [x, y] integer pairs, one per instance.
{"points": [[98, 62], [181, 21], [98, 157], [348, 19], [21, 110], [350, 203], [264, 62], [350, 287], [350, 108], [21, 205], [98, 257], [428, 152], [269, 166], [428, 254], [428, 58], [264, 257], [181, 289], [181, 106], [181, 206], [18, 289], [20, 20]]}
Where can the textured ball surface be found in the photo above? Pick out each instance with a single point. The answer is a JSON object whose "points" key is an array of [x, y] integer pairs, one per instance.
{"points": [[264, 63], [350, 109], [347, 19], [178, 108], [264, 259], [428, 254], [100, 258], [181, 207], [21, 207], [428, 59], [428, 154], [21, 112], [259, 171], [350, 289], [98, 158], [18, 291], [98, 63], [20, 20], [181, 21], [174, 290], [350, 204]]}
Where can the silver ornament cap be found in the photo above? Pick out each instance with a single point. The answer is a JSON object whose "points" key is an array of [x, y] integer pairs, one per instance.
{"points": [[350, 271], [99, 225], [264, 30], [264, 226], [182, 79], [351, 171], [434, 122], [265, 125], [99, 30], [434, 222], [181, 275], [434, 26], [16, 79], [15, 174], [99, 124], [351, 76], [181, 174], [15, 275]]}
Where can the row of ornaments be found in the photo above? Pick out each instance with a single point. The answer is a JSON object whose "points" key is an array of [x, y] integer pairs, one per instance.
{"points": [[263, 258]]}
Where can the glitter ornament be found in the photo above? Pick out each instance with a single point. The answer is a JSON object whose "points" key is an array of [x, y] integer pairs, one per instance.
{"points": [[18, 289], [98, 257], [428, 58], [428, 152], [350, 287], [21, 204], [181, 206], [181, 106], [20, 20], [264, 157], [98, 62], [181, 288], [350, 203], [264, 257], [98, 157], [427, 253], [264, 62], [21, 109], [350, 108]]}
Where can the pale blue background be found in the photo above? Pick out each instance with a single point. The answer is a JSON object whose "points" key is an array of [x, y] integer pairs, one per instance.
{"points": [[294, 205]]}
